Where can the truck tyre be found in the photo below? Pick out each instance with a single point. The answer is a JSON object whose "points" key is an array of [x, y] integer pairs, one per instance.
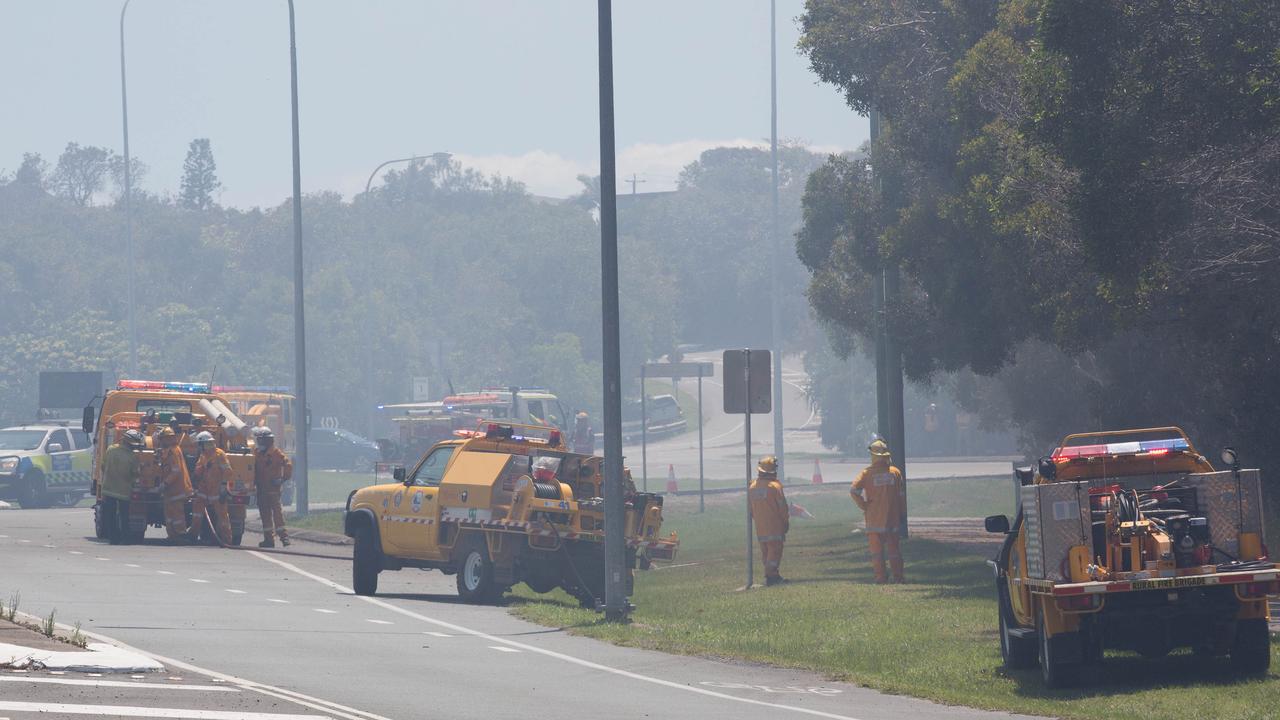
{"points": [[100, 530], [475, 572], [1054, 672], [237, 536], [366, 561], [1251, 650], [1018, 653], [35, 491]]}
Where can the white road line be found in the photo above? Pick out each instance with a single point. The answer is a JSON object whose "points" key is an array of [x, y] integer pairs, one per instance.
{"points": [[378, 622], [669, 567], [235, 592], [437, 634], [75, 552], [117, 683], [278, 600], [24, 541], [132, 565], [146, 712], [543, 651], [197, 580], [326, 612], [164, 572], [51, 547], [315, 703], [500, 648], [102, 558]]}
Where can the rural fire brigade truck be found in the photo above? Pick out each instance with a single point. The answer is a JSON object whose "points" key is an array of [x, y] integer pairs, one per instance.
{"points": [[1131, 540], [500, 505], [186, 408]]}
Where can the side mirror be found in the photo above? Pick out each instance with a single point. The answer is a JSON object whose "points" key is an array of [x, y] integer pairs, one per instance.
{"points": [[1048, 469], [54, 448], [996, 524], [398, 474], [86, 420]]}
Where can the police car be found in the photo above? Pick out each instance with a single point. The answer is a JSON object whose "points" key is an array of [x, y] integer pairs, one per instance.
{"points": [[42, 464]]}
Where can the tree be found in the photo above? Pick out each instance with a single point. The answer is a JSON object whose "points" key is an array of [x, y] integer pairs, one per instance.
{"points": [[32, 172], [199, 177], [81, 172]]}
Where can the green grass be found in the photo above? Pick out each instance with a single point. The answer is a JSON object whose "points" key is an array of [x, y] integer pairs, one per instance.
{"points": [[934, 637], [327, 486], [325, 521]]}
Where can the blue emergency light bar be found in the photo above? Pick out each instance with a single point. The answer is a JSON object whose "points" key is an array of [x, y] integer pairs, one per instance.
{"points": [[190, 387]]}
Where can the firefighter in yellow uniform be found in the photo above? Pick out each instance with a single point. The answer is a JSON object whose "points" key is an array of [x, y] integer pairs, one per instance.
{"points": [[213, 470], [878, 492], [175, 483], [772, 516], [119, 474], [271, 468]]}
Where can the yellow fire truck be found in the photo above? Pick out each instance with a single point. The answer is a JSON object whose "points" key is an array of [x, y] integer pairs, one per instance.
{"points": [[499, 505]]}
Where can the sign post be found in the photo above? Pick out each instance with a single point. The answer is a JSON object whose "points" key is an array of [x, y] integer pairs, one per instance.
{"points": [[747, 374], [675, 371]]}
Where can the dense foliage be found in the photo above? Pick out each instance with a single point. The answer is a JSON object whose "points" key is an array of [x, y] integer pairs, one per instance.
{"points": [[1086, 188]]}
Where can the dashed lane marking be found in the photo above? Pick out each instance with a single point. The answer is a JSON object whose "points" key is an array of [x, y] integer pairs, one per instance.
{"points": [[164, 572], [437, 634], [146, 712], [233, 591], [24, 541], [102, 558], [501, 648], [75, 552], [580, 662], [116, 684], [326, 612], [51, 547], [278, 600], [197, 580], [378, 622], [132, 565]]}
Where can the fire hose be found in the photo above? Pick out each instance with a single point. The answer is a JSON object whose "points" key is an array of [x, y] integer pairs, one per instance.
{"points": [[214, 530]]}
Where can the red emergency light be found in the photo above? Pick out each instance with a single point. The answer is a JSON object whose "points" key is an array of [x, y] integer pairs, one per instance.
{"points": [[190, 387]]}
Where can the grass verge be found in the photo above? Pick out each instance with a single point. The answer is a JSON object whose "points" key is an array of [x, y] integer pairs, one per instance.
{"points": [[325, 521], [934, 637]]}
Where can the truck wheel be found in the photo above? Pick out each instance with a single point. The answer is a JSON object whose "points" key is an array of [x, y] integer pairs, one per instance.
{"points": [[100, 522], [1018, 653], [366, 561], [1251, 650], [35, 491], [1054, 672], [475, 572], [237, 536]]}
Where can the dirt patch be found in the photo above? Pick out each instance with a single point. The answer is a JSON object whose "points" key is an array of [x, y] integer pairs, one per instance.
{"points": [[14, 634]]}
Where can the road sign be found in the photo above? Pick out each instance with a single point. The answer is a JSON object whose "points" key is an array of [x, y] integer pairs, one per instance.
{"points": [[678, 370], [421, 388], [329, 422], [746, 382]]}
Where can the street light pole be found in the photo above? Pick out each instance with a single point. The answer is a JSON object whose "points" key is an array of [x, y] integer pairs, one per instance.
{"points": [[616, 603], [368, 338], [299, 318], [128, 207], [774, 305]]}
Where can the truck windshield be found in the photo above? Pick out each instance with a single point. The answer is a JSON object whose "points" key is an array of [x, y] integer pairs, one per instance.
{"points": [[20, 439]]}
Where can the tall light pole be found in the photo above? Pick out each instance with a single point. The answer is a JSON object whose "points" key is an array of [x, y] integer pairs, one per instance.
{"points": [[299, 318], [616, 604], [439, 157], [775, 311], [128, 207]]}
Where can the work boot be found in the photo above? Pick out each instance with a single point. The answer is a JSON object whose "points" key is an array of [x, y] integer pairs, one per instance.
{"points": [[898, 580], [268, 542], [284, 540]]}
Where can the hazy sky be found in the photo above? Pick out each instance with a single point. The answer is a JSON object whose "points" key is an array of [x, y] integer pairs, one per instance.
{"points": [[508, 86]]}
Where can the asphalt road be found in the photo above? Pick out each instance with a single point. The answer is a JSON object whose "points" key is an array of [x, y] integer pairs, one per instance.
{"points": [[287, 627], [724, 456]]}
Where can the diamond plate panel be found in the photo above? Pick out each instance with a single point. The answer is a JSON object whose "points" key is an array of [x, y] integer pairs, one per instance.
{"points": [[1056, 517], [1216, 494]]}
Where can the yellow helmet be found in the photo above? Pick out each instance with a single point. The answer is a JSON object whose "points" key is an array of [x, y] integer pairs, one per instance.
{"points": [[878, 449], [768, 465]]}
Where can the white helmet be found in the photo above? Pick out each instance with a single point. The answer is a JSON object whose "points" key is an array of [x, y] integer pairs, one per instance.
{"points": [[204, 437]]}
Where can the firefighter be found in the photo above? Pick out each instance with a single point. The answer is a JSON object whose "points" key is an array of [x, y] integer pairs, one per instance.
{"points": [[175, 483], [584, 438], [878, 492], [772, 517], [271, 468], [213, 471], [119, 475]]}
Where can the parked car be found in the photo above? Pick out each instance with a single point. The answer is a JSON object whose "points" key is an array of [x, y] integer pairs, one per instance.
{"points": [[340, 450]]}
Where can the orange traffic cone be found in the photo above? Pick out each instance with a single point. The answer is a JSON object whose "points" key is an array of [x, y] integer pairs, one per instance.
{"points": [[817, 472], [671, 479]]}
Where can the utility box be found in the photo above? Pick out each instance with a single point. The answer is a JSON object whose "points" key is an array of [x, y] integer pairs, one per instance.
{"points": [[1056, 517]]}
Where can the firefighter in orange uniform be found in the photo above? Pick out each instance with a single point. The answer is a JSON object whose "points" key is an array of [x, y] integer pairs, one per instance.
{"points": [[213, 471], [772, 516], [175, 484], [271, 468], [878, 492]]}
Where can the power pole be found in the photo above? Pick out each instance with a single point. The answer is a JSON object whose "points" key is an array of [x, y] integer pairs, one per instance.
{"points": [[775, 311], [877, 306], [616, 604], [299, 319], [128, 208], [635, 181]]}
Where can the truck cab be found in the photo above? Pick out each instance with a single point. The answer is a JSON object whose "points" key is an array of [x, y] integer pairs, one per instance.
{"points": [[1131, 540]]}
